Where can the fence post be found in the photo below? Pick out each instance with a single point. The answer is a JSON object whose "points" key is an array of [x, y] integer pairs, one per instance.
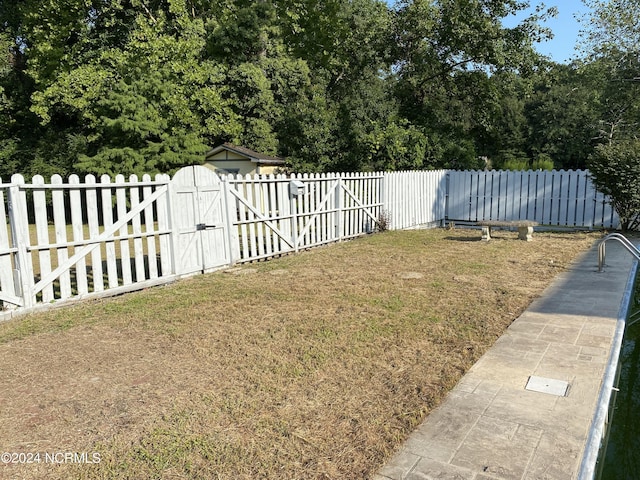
{"points": [[339, 217], [172, 226], [447, 195], [19, 226], [382, 199], [293, 203], [231, 213], [7, 252]]}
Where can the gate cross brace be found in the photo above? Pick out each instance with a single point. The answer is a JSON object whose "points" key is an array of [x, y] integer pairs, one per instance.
{"points": [[105, 236], [260, 216]]}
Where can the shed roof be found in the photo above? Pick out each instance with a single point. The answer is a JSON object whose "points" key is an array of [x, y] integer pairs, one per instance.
{"points": [[252, 155]]}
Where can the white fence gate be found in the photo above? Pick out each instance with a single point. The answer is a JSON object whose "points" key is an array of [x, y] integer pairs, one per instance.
{"points": [[202, 229], [73, 240], [279, 214]]}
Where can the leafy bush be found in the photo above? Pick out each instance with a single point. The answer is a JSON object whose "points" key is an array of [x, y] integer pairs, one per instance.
{"points": [[615, 171], [542, 162], [462, 155], [513, 160]]}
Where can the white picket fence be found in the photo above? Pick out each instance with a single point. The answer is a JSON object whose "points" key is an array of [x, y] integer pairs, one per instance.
{"points": [[327, 208], [415, 199], [63, 241]]}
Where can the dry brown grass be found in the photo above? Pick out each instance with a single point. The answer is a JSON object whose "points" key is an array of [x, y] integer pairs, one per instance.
{"points": [[315, 365]]}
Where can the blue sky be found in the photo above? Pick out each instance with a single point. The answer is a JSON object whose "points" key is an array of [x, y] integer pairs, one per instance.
{"points": [[565, 28]]}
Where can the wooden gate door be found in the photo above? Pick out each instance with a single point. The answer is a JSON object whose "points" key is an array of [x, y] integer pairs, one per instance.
{"points": [[200, 215]]}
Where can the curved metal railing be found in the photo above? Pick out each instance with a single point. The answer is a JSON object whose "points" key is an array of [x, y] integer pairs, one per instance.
{"points": [[599, 425], [600, 422], [620, 238]]}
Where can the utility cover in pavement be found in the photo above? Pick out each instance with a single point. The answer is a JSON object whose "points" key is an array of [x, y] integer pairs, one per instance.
{"points": [[547, 385]]}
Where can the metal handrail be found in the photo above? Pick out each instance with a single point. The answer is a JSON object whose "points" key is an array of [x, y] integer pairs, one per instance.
{"points": [[631, 248], [600, 422], [597, 431]]}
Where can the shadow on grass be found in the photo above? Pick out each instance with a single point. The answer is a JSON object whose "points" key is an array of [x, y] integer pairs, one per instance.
{"points": [[464, 239]]}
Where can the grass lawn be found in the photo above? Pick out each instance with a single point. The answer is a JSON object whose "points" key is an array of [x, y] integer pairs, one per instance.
{"points": [[315, 365]]}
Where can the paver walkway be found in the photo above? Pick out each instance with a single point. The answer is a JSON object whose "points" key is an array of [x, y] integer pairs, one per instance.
{"points": [[492, 427]]}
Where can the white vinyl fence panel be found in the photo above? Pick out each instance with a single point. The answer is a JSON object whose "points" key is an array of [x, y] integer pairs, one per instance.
{"points": [[415, 199], [559, 198]]}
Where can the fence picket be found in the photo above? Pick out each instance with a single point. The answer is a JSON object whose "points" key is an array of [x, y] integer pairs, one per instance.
{"points": [[284, 209], [107, 222], [19, 222], [360, 219], [351, 187], [316, 207], [303, 213], [42, 235], [164, 225], [495, 195], [94, 232], [60, 226], [251, 216], [138, 249], [273, 212], [260, 206], [530, 210], [544, 200], [149, 227], [578, 200], [125, 254], [77, 228], [564, 201], [242, 217]]}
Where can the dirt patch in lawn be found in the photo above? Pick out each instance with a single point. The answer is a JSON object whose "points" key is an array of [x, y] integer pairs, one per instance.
{"points": [[315, 365]]}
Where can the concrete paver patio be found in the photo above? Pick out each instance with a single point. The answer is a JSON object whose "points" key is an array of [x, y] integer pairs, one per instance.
{"points": [[491, 426]]}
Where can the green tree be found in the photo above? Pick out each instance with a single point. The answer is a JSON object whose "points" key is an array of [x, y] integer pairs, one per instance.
{"points": [[562, 112], [445, 51], [346, 46], [133, 86], [512, 160], [152, 105], [611, 46], [342, 41], [612, 26], [543, 162], [26, 146], [505, 125], [615, 170]]}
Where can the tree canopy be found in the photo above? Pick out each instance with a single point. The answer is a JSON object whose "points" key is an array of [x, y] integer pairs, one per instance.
{"points": [[612, 45], [144, 86]]}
